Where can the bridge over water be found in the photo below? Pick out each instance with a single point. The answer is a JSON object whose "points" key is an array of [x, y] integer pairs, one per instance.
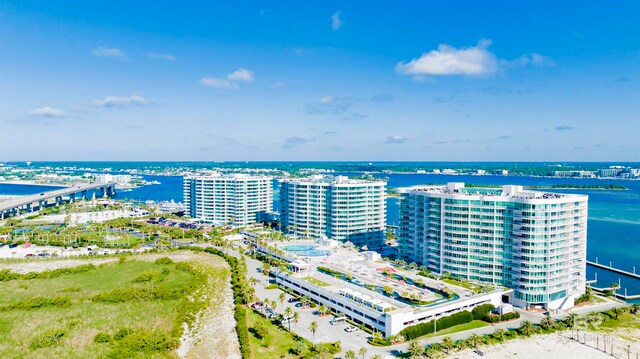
{"points": [[34, 202]]}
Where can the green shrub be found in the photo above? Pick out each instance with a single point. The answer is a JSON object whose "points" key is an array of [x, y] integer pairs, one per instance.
{"points": [[492, 318], [480, 311], [151, 276], [47, 339], [272, 286], [586, 297], [121, 333], [164, 260], [147, 343], [102, 337], [37, 302]]}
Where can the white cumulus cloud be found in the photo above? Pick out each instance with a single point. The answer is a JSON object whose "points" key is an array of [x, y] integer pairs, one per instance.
{"points": [[240, 74], [231, 81], [118, 101], [47, 111], [113, 53], [474, 61], [336, 21], [448, 60]]}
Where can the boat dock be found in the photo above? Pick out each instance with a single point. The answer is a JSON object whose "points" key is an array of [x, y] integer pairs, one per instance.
{"points": [[616, 270]]}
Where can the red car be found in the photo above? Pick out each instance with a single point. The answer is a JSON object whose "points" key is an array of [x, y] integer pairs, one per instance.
{"points": [[30, 255]]}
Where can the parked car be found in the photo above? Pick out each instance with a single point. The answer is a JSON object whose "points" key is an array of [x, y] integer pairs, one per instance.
{"points": [[256, 305], [293, 300], [351, 329], [30, 255]]}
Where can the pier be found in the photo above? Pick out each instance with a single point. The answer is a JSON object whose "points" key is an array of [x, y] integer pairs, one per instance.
{"points": [[31, 202], [616, 270]]}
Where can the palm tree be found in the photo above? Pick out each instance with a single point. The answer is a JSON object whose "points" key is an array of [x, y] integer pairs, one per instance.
{"points": [[349, 355], [548, 323], [377, 356], [447, 343], [376, 337], [499, 334], [615, 286], [415, 349], [362, 352], [287, 314], [526, 328], [616, 311], [281, 298], [473, 340], [571, 320], [295, 318], [313, 328]]}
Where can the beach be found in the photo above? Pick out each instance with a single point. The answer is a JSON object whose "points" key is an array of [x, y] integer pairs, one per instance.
{"points": [[537, 347]]}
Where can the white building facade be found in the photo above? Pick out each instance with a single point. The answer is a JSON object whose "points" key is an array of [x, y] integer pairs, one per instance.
{"points": [[234, 199], [337, 208], [533, 242]]}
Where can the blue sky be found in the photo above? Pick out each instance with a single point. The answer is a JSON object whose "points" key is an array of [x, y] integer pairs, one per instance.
{"points": [[325, 80]]}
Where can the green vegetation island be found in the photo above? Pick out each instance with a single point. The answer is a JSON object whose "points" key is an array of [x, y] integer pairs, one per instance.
{"points": [[615, 187]]}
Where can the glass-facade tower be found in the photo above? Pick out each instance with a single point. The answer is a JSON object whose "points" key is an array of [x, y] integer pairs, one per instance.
{"points": [[234, 199], [335, 208], [533, 242]]}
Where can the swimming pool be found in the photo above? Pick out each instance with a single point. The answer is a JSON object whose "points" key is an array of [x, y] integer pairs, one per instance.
{"points": [[306, 250]]}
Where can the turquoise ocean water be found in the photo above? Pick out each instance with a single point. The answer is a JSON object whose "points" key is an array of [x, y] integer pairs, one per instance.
{"points": [[613, 230]]}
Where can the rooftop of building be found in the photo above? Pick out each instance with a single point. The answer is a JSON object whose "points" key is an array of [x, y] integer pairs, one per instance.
{"points": [[328, 180], [217, 175], [506, 191]]}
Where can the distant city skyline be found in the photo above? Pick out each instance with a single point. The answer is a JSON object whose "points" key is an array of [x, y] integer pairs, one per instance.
{"points": [[319, 81]]}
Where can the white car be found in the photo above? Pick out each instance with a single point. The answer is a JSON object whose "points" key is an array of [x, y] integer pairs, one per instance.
{"points": [[351, 329]]}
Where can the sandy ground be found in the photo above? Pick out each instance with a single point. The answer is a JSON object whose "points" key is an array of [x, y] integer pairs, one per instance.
{"points": [[84, 217], [45, 265], [537, 347], [213, 335]]}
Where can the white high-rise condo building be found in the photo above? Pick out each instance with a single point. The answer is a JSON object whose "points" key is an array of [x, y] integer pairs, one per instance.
{"points": [[336, 208], [233, 199], [534, 242]]}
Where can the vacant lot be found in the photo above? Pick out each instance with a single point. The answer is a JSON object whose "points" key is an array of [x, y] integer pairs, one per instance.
{"points": [[146, 306]]}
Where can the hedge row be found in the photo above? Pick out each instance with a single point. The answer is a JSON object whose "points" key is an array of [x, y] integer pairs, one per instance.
{"points": [[418, 330], [496, 318], [481, 311], [330, 271]]}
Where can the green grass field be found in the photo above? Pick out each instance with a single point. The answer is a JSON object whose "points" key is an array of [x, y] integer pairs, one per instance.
{"points": [[68, 330], [275, 345], [458, 328]]}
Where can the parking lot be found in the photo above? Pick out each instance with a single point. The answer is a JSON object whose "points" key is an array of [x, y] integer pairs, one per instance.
{"points": [[326, 332]]}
